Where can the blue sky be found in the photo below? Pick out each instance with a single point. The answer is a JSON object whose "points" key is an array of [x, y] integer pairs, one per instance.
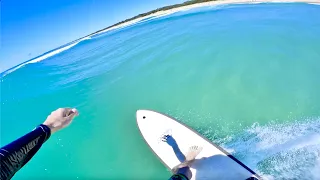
{"points": [[30, 28]]}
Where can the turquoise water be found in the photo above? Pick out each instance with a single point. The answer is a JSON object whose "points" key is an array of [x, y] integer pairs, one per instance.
{"points": [[245, 76]]}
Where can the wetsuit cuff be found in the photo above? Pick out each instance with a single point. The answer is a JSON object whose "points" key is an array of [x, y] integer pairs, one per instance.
{"points": [[46, 130]]}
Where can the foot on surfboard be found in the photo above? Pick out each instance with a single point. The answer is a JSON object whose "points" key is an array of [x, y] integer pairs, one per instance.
{"points": [[190, 156], [193, 153]]}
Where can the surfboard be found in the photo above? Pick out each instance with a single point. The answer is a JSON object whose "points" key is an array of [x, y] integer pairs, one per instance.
{"points": [[213, 162]]}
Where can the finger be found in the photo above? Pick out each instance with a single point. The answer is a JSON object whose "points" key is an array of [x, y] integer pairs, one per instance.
{"points": [[66, 111], [72, 113], [75, 111]]}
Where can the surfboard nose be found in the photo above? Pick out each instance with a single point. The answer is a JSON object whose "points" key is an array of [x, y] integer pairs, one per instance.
{"points": [[141, 117], [141, 114]]}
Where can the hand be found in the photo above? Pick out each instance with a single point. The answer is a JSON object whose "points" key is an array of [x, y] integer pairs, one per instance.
{"points": [[60, 118]]}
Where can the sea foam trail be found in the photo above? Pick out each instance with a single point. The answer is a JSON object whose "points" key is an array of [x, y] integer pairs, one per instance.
{"points": [[281, 151], [43, 57]]}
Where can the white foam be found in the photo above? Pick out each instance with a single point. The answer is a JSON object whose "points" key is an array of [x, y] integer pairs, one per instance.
{"points": [[285, 151], [45, 56], [315, 171]]}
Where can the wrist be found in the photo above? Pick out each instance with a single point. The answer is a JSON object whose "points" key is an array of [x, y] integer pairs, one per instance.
{"points": [[46, 130], [49, 127]]}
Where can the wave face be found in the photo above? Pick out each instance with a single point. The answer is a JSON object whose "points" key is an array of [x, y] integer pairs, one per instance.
{"points": [[43, 57], [245, 76]]}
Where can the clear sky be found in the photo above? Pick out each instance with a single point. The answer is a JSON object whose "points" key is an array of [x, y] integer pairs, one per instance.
{"points": [[32, 27]]}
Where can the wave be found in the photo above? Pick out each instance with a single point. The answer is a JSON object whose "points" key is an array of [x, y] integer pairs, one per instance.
{"points": [[185, 8], [141, 20], [43, 57], [156, 16], [280, 151]]}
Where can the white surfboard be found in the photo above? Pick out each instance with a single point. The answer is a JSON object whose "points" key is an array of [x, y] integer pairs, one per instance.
{"points": [[212, 163]]}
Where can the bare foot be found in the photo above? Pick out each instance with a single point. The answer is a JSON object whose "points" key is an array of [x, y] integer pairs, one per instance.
{"points": [[193, 153]]}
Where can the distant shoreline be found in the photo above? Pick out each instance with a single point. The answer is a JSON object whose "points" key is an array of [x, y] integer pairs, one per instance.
{"points": [[158, 13], [186, 6]]}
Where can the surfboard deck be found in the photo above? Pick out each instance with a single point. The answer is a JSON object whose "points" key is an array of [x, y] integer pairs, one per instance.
{"points": [[213, 162]]}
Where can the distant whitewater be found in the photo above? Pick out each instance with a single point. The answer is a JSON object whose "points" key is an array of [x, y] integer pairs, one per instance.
{"points": [[245, 76]]}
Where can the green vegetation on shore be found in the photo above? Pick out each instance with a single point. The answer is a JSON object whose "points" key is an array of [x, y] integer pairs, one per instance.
{"points": [[156, 10]]}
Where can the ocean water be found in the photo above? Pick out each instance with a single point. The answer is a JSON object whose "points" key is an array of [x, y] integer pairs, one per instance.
{"points": [[245, 76]]}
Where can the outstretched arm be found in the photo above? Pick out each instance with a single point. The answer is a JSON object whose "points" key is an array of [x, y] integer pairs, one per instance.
{"points": [[16, 154]]}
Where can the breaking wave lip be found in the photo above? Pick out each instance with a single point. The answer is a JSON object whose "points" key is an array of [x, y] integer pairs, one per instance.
{"points": [[280, 151], [43, 57]]}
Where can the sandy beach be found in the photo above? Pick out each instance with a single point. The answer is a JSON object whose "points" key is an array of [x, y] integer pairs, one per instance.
{"points": [[212, 3]]}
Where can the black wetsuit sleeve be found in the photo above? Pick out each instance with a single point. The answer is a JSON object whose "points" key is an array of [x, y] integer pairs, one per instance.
{"points": [[16, 154]]}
